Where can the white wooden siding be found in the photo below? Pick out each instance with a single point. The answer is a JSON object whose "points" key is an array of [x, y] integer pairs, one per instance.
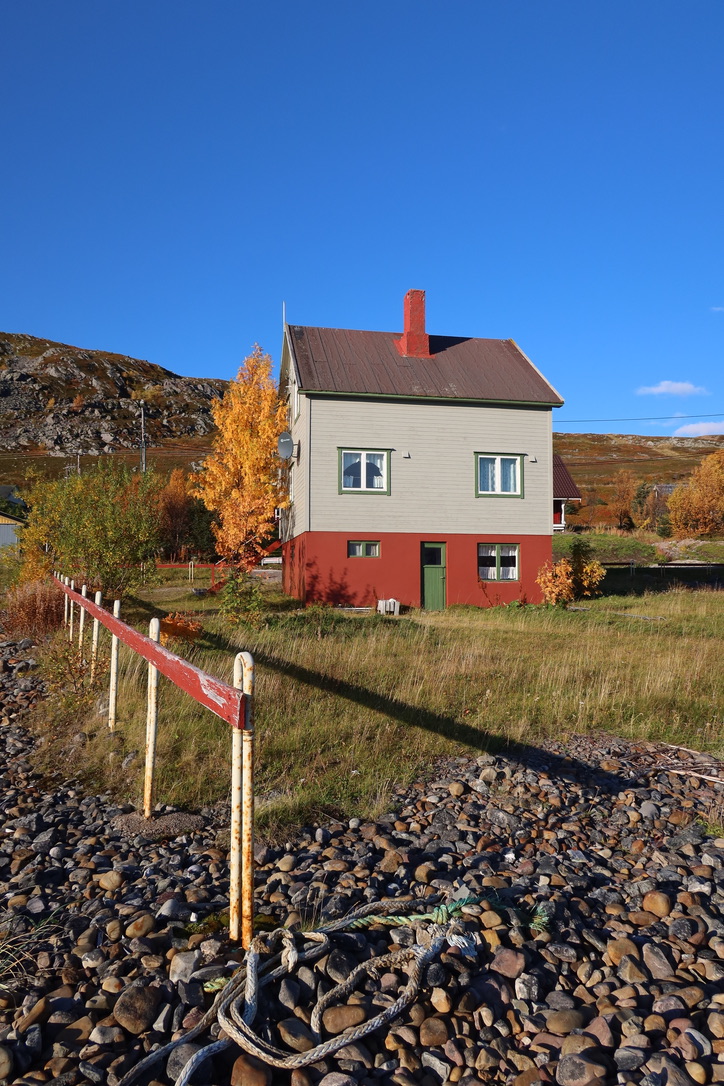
{"points": [[432, 467], [296, 518]]}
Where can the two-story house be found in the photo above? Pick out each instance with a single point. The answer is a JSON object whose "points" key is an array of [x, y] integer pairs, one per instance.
{"points": [[422, 466]]}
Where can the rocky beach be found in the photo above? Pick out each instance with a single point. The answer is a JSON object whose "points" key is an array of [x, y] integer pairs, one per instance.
{"points": [[592, 951]]}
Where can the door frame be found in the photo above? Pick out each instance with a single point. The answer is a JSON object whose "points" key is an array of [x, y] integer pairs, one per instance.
{"points": [[442, 544]]}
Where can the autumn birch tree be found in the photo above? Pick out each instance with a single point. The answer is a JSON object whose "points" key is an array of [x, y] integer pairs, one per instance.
{"points": [[697, 507], [241, 480]]}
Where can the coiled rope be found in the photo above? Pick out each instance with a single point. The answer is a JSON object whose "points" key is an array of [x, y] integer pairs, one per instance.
{"points": [[235, 1006]]}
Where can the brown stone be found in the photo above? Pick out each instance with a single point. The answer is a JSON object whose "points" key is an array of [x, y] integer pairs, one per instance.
{"points": [[657, 902], [691, 995], [600, 1029], [135, 1008], [509, 963], [621, 948], [441, 1001], [76, 1032], [580, 1071], [40, 1012], [111, 880], [715, 1024], [140, 926], [433, 1032], [248, 1071], [632, 972], [338, 1019], [563, 1022], [295, 1035], [575, 1043], [641, 918], [425, 872]]}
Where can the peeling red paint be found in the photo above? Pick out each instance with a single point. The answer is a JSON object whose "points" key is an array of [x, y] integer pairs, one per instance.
{"points": [[223, 700]]}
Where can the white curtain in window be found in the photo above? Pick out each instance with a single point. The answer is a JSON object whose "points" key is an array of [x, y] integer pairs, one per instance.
{"points": [[486, 562], [509, 474], [487, 474], [375, 474], [508, 562], [352, 470]]}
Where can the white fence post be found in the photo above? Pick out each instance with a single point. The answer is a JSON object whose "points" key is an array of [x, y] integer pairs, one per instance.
{"points": [[70, 632], [94, 641], [64, 580], [241, 873], [154, 632], [81, 618], [113, 691]]}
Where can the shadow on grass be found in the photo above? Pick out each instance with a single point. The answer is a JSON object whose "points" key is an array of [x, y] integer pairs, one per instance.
{"points": [[565, 768]]}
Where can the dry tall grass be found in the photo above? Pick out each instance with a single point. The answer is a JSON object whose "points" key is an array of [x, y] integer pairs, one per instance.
{"points": [[32, 610], [348, 708]]}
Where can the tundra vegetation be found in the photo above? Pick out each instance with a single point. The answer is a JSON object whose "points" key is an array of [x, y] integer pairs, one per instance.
{"points": [[350, 706]]}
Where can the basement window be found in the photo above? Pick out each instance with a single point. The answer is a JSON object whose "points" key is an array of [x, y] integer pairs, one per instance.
{"points": [[498, 561], [363, 548]]}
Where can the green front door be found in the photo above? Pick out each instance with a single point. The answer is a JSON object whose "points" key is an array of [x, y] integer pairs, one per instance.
{"points": [[433, 576]]}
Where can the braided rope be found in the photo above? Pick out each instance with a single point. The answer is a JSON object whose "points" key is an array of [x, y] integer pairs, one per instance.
{"points": [[235, 1006]]}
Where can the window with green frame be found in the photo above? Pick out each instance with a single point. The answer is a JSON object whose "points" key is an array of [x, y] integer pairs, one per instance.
{"points": [[363, 548], [498, 562], [364, 471], [499, 474]]}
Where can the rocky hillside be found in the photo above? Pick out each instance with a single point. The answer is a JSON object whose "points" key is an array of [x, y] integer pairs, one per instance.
{"points": [[67, 400], [594, 459]]}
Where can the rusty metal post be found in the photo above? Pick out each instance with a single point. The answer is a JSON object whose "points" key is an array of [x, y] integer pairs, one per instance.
{"points": [[241, 897], [113, 689], [81, 618], [154, 632], [70, 631], [94, 641]]}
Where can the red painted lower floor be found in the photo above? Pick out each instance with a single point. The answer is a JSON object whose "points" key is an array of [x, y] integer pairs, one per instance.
{"points": [[327, 567]]}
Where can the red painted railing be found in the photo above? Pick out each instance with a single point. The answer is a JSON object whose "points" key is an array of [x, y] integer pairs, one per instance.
{"points": [[212, 693], [234, 704]]}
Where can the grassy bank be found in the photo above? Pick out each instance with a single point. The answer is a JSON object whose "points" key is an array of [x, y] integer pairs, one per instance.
{"points": [[607, 547], [349, 706]]}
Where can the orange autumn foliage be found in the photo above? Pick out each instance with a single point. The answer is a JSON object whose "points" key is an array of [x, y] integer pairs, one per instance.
{"points": [[242, 480], [697, 508], [174, 503]]}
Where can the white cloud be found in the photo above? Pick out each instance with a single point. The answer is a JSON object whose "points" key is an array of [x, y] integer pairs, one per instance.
{"points": [[717, 308], [700, 429], [672, 388]]}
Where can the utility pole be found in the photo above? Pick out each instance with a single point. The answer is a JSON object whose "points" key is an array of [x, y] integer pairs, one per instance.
{"points": [[143, 435]]}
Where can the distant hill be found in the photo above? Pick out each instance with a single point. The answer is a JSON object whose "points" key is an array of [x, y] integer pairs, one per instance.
{"points": [[62, 400], [594, 459]]}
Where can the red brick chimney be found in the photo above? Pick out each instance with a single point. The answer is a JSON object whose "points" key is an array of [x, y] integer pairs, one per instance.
{"points": [[415, 342]]}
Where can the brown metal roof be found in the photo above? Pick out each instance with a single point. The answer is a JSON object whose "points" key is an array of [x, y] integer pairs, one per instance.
{"points": [[368, 363], [563, 485]]}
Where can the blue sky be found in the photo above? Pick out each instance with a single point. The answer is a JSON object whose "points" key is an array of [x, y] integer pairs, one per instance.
{"points": [[550, 172]]}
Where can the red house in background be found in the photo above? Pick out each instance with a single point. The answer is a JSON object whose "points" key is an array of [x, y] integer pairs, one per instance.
{"points": [[564, 490], [421, 466]]}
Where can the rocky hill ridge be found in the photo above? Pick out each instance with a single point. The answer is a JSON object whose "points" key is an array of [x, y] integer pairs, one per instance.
{"points": [[69, 400]]}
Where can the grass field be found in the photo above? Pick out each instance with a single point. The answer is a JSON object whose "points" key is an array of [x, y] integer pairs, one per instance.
{"points": [[349, 706]]}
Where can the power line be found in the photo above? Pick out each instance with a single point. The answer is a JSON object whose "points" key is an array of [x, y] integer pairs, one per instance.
{"points": [[646, 418]]}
